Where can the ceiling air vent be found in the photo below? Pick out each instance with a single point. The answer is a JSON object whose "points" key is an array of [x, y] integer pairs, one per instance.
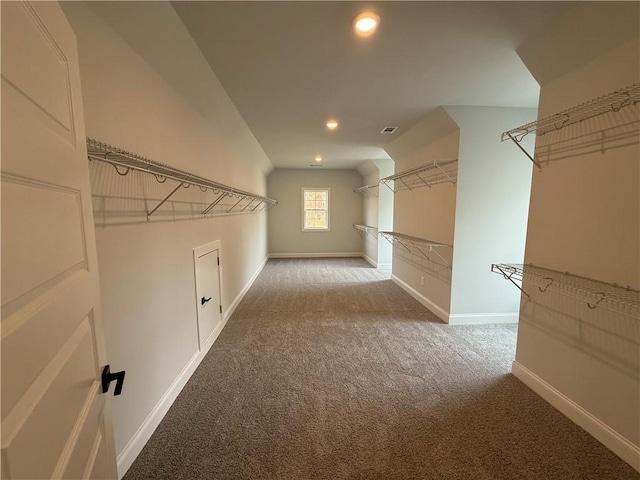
{"points": [[315, 165], [388, 130]]}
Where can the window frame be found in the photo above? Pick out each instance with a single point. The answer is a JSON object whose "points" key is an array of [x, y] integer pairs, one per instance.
{"points": [[304, 210]]}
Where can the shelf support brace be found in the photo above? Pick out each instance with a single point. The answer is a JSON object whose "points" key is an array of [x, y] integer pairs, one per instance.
{"points": [[431, 249], [257, 205], [245, 207], [422, 253], [235, 204], [524, 151], [403, 182], [508, 277], [405, 247], [387, 185], [446, 174], [393, 241], [164, 200], [214, 203], [426, 184]]}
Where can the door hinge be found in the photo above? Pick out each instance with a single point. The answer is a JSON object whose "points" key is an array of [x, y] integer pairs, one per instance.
{"points": [[220, 308], [218, 260]]}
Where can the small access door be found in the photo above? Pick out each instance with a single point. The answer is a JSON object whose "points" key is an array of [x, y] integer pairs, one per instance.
{"points": [[56, 421], [209, 305]]}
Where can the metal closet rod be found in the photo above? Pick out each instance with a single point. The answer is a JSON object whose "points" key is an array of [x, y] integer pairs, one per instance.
{"points": [[419, 244], [124, 161], [594, 293], [612, 102], [426, 175]]}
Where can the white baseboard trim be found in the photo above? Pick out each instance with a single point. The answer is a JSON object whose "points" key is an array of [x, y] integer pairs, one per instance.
{"points": [[482, 318], [143, 434], [384, 266], [611, 439], [370, 260], [315, 255], [236, 301], [436, 309]]}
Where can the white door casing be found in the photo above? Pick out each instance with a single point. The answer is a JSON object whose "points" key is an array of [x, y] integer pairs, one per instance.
{"points": [[207, 276], [56, 422]]}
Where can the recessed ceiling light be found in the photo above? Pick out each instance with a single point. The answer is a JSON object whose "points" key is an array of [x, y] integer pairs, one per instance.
{"points": [[318, 158], [366, 23], [332, 124]]}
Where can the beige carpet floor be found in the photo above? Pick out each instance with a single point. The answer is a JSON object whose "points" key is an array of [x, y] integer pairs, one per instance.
{"points": [[328, 370]]}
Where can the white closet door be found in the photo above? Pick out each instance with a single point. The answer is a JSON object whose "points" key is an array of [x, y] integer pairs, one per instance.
{"points": [[55, 419], [207, 271]]}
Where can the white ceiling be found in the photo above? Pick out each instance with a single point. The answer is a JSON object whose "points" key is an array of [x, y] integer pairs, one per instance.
{"points": [[289, 66]]}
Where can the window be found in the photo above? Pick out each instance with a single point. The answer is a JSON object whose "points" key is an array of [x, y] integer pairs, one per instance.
{"points": [[315, 209]]}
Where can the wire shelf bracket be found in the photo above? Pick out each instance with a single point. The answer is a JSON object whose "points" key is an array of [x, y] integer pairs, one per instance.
{"points": [[420, 245], [373, 231], [594, 293], [427, 175], [124, 162], [367, 190], [612, 102]]}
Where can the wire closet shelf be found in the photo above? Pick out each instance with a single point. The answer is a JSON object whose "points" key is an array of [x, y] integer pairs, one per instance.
{"points": [[427, 175], [124, 162], [367, 190], [613, 102], [420, 245], [373, 231], [594, 293]]}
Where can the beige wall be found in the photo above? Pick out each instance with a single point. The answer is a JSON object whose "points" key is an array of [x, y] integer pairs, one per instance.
{"points": [[285, 220], [483, 216], [584, 218], [492, 201], [370, 217], [385, 213], [377, 212], [426, 212], [146, 270]]}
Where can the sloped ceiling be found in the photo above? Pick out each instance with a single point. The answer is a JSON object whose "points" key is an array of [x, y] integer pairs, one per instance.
{"points": [[591, 29]]}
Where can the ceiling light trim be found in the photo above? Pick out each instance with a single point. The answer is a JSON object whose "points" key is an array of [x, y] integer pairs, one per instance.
{"points": [[365, 24]]}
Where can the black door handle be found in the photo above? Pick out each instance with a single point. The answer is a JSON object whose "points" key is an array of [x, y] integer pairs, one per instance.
{"points": [[108, 377], [204, 300]]}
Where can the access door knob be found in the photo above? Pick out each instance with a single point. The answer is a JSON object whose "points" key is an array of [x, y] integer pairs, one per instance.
{"points": [[204, 300], [108, 377]]}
